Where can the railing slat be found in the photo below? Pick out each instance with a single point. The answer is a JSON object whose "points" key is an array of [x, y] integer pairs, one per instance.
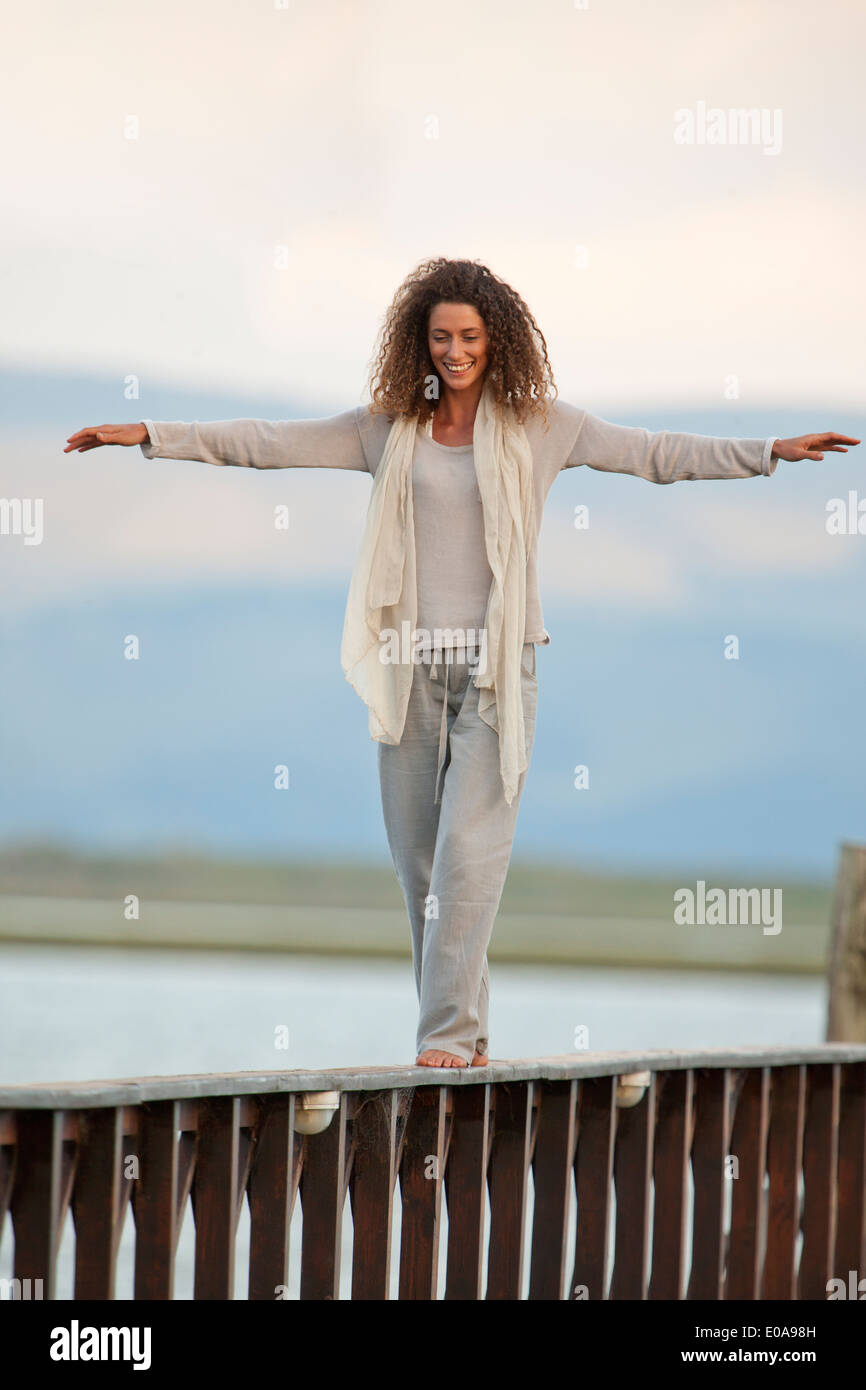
{"points": [[97, 1204], [632, 1174], [593, 1170], [709, 1150], [784, 1163], [851, 1182], [271, 1192], [155, 1200], [371, 1192], [820, 1142], [214, 1198], [673, 1137], [36, 1197], [508, 1185], [422, 1168], [323, 1191], [466, 1191], [7, 1173], [552, 1167], [748, 1214]]}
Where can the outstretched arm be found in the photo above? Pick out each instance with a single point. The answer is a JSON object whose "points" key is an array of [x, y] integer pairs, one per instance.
{"points": [[332, 442], [667, 457]]}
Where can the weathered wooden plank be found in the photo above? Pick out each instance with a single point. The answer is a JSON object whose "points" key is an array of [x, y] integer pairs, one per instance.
{"points": [[593, 1169], [820, 1155], [674, 1127], [846, 1004], [422, 1167], [155, 1201], [508, 1185], [749, 1154], [371, 1192], [70, 1096], [709, 1151], [851, 1175], [784, 1164], [96, 1202], [632, 1175], [323, 1189], [466, 1191], [552, 1168], [270, 1193], [36, 1201]]}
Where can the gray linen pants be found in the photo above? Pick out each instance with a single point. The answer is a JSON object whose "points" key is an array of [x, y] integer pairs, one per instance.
{"points": [[451, 856]]}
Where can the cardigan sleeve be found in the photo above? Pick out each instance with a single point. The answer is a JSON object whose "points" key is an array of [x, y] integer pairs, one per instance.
{"points": [[666, 457], [332, 442]]}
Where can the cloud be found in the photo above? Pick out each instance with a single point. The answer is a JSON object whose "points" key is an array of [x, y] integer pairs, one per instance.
{"points": [[307, 128], [113, 517]]}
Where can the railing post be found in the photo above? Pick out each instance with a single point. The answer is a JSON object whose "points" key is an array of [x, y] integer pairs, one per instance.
{"points": [[552, 1166], [593, 1172], [323, 1196], [508, 1183], [99, 1202], [158, 1200], [271, 1193], [36, 1204], [846, 1007], [371, 1192], [421, 1172], [466, 1190]]}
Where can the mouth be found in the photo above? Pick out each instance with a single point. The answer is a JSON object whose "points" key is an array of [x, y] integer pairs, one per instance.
{"points": [[458, 368]]}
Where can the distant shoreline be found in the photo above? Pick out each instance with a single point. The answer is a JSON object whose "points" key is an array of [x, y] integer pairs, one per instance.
{"points": [[544, 937]]}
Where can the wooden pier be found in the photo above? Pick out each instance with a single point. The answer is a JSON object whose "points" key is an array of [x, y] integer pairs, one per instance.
{"points": [[715, 1175]]}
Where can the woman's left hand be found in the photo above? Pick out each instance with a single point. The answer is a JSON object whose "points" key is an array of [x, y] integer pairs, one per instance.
{"points": [[811, 446]]}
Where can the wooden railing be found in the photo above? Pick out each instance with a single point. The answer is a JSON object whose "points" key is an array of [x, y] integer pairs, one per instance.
{"points": [[714, 1175]]}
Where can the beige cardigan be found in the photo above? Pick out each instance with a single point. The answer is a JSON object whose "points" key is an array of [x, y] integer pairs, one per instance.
{"points": [[356, 439]]}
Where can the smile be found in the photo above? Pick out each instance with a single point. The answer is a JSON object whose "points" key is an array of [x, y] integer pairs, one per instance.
{"points": [[459, 371]]}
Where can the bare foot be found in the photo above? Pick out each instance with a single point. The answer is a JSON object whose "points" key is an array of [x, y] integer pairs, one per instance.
{"points": [[480, 1059], [431, 1058]]}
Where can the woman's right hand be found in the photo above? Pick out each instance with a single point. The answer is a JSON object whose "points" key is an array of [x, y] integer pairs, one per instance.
{"points": [[92, 436]]}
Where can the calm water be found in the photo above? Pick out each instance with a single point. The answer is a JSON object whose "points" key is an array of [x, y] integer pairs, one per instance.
{"points": [[81, 1013]]}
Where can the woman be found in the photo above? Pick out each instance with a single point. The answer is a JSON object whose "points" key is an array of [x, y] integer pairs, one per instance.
{"points": [[463, 438]]}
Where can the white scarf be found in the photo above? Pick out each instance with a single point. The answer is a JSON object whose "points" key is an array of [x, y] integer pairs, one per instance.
{"points": [[383, 593]]}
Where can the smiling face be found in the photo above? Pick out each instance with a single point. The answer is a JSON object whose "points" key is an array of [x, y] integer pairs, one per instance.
{"points": [[458, 344]]}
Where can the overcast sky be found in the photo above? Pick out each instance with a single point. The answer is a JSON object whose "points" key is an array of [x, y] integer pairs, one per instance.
{"points": [[223, 197], [363, 137]]}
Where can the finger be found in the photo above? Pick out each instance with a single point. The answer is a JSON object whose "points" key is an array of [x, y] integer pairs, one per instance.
{"points": [[812, 454], [92, 436]]}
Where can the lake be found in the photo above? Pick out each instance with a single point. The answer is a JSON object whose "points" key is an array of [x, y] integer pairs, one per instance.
{"points": [[84, 1013]]}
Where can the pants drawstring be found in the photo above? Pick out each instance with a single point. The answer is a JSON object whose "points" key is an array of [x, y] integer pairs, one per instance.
{"points": [[443, 726]]}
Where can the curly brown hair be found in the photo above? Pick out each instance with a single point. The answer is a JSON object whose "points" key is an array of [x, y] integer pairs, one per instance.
{"points": [[518, 368]]}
